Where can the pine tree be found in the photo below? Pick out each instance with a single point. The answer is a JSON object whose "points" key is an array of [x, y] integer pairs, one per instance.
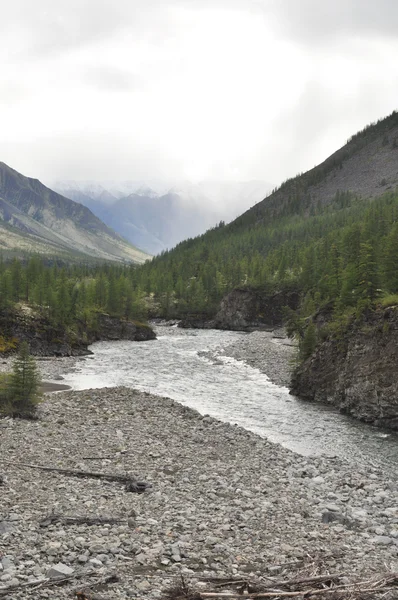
{"points": [[390, 266], [24, 383], [367, 272], [309, 341]]}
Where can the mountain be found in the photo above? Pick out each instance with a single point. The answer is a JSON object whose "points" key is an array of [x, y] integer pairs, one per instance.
{"points": [[155, 221], [329, 232], [35, 218]]}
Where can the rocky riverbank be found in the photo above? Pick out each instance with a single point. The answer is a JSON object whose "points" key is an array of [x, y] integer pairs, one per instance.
{"points": [[223, 502], [48, 339], [356, 369]]}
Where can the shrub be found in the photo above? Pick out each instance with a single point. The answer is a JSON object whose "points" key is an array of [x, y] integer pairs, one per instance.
{"points": [[308, 343], [389, 300]]}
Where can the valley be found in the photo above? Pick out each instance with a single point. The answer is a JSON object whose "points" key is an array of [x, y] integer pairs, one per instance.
{"points": [[35, 219], [157, 221], [318, 255], [199, 300]]}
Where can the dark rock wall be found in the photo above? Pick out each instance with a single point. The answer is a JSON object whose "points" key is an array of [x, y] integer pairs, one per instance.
{"points": [[46, 339], [358, 373], [245, 309]]}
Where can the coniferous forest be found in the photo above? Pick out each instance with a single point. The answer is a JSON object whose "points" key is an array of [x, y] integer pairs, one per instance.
{"points": [[345, 253]]}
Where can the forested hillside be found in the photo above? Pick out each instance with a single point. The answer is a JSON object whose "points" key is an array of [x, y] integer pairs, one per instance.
{"points": [[67, 298], [339, 247]]}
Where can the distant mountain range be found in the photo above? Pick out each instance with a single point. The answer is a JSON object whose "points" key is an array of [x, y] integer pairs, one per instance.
{"points": [[34, 218], [156, 220]]}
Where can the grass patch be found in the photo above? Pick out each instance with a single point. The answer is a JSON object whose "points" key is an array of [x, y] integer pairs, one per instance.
{"points": [[8, 344], [389, 300]]}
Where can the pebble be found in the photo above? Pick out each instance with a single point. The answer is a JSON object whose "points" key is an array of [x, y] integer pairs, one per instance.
{"points": [[228, 504]]}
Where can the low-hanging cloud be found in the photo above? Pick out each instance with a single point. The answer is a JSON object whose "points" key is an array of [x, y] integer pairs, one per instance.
{"points": [[190, 89]]}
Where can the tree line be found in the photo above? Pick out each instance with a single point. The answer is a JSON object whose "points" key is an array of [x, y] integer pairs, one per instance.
{"points": [[64, 293]]}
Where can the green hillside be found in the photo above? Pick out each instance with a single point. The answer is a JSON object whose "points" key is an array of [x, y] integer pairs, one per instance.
{"points": [[332, 233]]}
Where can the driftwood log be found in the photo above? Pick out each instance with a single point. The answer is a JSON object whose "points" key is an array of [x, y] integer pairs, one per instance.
{"points": [[316, 587], [132, 484], [53, 518], [46, 583]]}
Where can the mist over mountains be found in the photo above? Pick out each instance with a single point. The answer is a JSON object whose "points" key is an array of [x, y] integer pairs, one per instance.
{"points": [[155, 217]]}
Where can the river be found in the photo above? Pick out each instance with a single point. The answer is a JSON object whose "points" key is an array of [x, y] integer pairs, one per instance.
{"points": [[190, 367]]}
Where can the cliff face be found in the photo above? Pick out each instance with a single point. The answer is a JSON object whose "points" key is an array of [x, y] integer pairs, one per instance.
{"points": [[357, 373], [245, 309], [46, 339]]}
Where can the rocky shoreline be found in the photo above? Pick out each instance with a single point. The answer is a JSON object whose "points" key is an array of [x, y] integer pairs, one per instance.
{"points": [[223, 502], [48, 339], [356, 370]]}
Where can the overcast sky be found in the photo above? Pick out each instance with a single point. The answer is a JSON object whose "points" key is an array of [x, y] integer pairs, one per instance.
{"points": [[190, 89]]}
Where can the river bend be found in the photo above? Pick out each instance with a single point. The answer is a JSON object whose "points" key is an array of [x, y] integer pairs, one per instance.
{"points": [[190, 366]]}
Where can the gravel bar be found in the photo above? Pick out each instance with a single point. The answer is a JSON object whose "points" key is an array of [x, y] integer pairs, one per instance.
{"points": [[223, 502], [269, 351]]}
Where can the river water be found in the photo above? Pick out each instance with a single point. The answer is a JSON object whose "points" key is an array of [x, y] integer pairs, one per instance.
{"points": [[190, 367]]}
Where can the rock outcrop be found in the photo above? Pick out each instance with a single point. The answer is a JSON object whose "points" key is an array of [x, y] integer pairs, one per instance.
{"points": [[356, 371], [112, 328], [246, 309], [47, 339]]}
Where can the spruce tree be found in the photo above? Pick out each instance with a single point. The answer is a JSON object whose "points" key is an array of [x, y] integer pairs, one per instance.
{"points": [[24, 383]]}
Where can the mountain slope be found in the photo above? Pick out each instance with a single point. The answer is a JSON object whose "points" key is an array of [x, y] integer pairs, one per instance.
{"points": [[317, 231], [32, 208], [366, 166]]}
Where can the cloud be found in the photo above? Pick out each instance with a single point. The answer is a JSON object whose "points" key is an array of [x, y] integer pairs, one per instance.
{"points": [[110, 78], [190, 89], [314, 22]]}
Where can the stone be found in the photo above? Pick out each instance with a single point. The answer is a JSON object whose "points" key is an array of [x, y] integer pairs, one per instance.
{"points": [[382, 540], [318, 480], [6, 527], [95, 562], [59, 570], [83, 558], [7, 563]]}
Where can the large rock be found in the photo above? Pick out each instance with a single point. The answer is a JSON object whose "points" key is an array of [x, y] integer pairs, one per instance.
{"points": [[113, 328], [248, 308], [357, 371]]}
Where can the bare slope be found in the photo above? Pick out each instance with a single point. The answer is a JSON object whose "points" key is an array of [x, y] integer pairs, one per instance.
{"points": [[57, 222], [366, 166]]}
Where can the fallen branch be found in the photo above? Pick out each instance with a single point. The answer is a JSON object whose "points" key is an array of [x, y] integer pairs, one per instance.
{"points": [[98, 457], [384, 585], [47, 582], [132, 485], [78, 473], [274, 585], [50, 519], [322, 587]]}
